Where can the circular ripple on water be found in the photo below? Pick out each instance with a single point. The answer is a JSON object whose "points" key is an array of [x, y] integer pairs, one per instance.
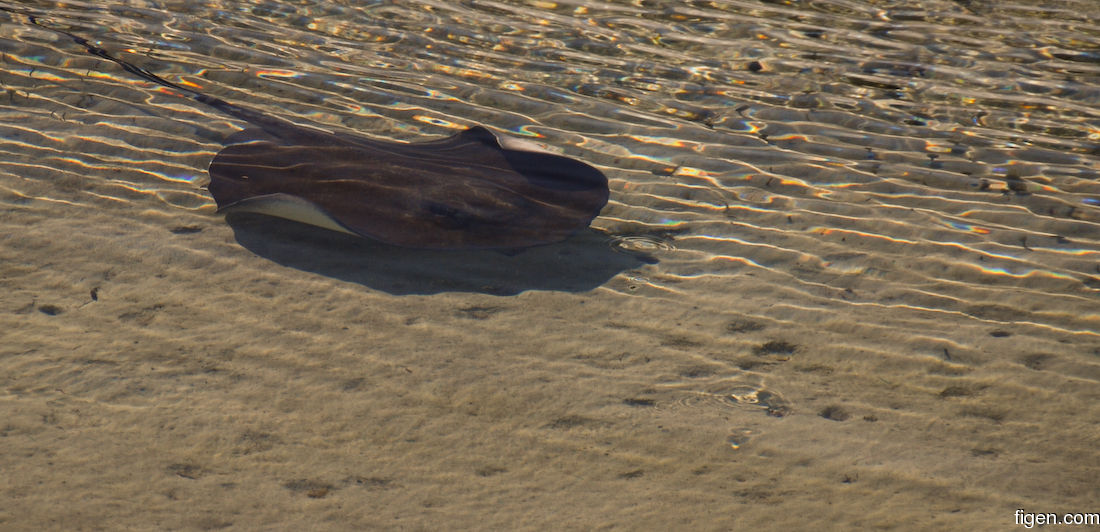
{"points": [[641, 243], [641, 247], [739, 396]]}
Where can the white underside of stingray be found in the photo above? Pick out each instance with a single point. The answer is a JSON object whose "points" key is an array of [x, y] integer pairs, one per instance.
{"points": [[290, 208]]}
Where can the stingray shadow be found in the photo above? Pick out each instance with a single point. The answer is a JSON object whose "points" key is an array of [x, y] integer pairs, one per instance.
{"points": [[578, 264]]}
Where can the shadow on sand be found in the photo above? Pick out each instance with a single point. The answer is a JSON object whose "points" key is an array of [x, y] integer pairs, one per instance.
{"points": [[579, 264]]}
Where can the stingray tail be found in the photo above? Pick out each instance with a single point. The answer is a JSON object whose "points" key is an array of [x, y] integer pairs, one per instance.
{"points": [[266, 122]]}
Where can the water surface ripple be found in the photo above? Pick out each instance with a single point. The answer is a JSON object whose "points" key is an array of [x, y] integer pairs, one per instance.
{"points": [[892, 172], [920, 157]]}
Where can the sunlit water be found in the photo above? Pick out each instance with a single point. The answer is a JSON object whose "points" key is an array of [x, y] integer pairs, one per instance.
{"points": [[899, 196]]}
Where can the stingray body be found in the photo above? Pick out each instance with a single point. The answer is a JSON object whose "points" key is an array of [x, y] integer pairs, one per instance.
{"points": [[471, 190]]}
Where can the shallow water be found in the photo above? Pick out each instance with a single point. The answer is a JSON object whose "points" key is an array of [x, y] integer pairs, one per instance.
{"points": [[849, 272]]}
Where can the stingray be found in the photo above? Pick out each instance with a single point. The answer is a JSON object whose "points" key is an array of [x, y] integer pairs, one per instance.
{"points": [[468, 191]]}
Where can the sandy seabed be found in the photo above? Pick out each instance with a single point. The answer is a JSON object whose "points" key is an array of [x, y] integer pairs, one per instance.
{"points": [[182, 381], [868, 323]]}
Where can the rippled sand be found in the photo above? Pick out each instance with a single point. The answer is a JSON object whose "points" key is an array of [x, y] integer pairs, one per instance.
{"points": [[848, 277]]}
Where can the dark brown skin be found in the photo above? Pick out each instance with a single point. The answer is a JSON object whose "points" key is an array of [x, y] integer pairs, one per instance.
{"points": [[462, 192], [466, 191]]}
